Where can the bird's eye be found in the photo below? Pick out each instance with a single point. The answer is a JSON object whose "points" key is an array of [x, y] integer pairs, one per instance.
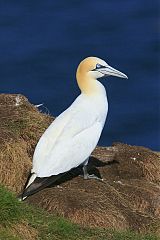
{"points": [[98, 66]]}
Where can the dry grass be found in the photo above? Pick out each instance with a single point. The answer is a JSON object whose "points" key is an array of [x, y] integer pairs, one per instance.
{"points": [[21, 127], [17, 162], [24, 231]]}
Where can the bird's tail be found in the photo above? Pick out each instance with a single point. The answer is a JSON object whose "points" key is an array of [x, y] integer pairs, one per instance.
{"points": [[35, 184]]}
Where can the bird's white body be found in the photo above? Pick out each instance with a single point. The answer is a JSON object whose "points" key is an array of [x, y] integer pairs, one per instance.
{"points": [[72, 136]]}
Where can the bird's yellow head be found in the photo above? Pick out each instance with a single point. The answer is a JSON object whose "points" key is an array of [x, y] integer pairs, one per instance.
{"points": [[92, 68]]}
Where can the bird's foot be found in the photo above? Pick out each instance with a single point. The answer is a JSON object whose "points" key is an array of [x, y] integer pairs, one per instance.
{"points": [[92, 176]]}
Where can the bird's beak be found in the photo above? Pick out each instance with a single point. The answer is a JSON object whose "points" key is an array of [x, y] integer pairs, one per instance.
{"points": [[110, 71]]}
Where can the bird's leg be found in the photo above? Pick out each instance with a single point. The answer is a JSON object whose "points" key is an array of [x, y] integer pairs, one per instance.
{"points": [[86, 175]]}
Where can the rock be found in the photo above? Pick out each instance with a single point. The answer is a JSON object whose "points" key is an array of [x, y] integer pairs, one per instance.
{"points": [[128, 198]]}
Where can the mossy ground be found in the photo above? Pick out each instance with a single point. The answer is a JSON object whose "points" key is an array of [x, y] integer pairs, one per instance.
{"points": [[19, 221]]}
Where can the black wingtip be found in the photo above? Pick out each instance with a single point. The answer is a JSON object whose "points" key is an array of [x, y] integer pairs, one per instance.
{"points": [[20, 197], [38, 184]]}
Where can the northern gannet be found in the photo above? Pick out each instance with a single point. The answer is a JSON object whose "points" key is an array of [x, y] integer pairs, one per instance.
{"points": [[73, 135]]}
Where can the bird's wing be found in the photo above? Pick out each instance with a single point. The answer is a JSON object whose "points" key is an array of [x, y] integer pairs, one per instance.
{"points": [[70, 153], [68, 141], [49, 137]]}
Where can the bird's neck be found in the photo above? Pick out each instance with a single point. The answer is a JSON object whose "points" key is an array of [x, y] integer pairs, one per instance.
{"points": [[90, 86]]}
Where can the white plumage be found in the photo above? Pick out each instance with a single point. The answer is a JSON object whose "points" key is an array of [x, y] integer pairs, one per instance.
{"points": [[71, 138], [73, 135]]}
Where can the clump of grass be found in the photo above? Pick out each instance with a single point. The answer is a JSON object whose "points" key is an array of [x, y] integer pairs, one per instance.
{"points": [[10, 209], [17, 126], [5, 235], [21, 127], [130, 235], [43, 226]]}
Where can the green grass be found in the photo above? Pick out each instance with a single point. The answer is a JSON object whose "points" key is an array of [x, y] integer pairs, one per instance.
{"points": [[50, 227], [11, 210]]}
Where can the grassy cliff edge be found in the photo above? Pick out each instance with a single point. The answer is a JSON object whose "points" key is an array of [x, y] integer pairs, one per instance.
{"points": [[126, 206]]}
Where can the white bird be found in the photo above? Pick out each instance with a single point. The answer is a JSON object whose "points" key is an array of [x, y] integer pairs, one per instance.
{"points": [[70, 139]]}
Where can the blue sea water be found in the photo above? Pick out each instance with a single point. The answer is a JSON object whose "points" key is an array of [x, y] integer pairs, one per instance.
{"points": [[42, 42]]}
